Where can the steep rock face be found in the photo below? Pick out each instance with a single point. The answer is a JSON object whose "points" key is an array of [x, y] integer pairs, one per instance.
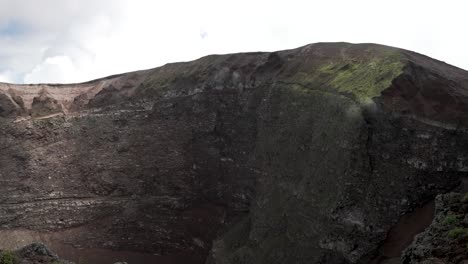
{"points": [[308, 155], [45, 105], [10, 105]]}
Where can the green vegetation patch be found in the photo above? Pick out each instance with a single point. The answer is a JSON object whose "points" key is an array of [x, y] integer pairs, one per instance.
{"points": [[465, 198], [450, 219], [457, 232], [362, 78], [8, 257]]}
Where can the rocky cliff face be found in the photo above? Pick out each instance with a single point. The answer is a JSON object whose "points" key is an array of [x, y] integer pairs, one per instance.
{"points": [[309, 155], [446, 240]]}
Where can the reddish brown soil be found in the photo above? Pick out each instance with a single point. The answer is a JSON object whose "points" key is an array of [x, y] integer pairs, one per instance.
{"points": [[106, 256]]}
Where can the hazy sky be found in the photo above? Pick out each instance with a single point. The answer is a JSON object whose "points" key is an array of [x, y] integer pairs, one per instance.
{"points": [[78, 40]]}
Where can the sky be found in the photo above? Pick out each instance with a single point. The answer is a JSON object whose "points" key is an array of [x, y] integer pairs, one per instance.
{"points": [[66, 41]]}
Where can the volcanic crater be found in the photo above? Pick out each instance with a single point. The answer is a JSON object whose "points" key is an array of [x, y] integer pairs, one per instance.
{"points": [[311, 155]]}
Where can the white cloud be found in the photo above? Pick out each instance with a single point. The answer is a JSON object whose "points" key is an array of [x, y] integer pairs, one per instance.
{"points": [[6, 77], [78, 40], [58, 68]]}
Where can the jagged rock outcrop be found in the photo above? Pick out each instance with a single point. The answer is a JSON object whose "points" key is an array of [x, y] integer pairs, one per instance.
{"points": [[44, 104], [35, 253], [10, 105], [446, 240], [308, 155]]}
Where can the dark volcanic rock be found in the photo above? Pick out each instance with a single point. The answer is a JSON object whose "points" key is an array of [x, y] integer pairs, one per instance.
{"points": [[308, 155], [35, 253], [446, 240]]}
